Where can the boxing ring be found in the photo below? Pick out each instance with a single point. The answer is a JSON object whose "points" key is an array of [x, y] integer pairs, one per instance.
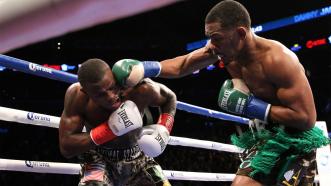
{"points": [[323, 156]]}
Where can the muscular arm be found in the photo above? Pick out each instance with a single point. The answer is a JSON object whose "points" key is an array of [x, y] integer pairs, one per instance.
{"points": [[297, 108], [72, 140], [186, 64], [157, 95]]}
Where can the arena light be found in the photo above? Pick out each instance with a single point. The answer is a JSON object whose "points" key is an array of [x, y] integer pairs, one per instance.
{"points": [[211, 67], [314, 43], [56, 67], [71, 67], [329, 39], [64, 67], [2, 68], [296, 47], [272, 25], [221, 64], [196, 72], [305, 16]]}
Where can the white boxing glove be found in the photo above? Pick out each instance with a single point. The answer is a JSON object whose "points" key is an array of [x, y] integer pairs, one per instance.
{"points": [[123, 120], [153, 139]]}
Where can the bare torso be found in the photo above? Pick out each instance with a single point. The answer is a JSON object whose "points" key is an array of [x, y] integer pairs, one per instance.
{"points": [[94, 115], [253, 73], [274, 74], [256, 80]]}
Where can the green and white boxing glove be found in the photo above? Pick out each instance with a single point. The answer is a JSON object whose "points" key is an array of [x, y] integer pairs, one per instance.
{"points": [[129, 72], [235, 98]]}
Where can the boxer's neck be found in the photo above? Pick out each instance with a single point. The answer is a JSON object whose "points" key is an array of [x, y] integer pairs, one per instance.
{"points": [[250, 49]]}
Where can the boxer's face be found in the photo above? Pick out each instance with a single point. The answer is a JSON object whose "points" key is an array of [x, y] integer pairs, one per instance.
{"points": [[225, 43], [106, 92]]}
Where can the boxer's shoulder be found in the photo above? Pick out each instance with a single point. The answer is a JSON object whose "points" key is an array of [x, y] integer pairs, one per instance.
{"points": [[75, 97], [142, 88], [74, 89]]}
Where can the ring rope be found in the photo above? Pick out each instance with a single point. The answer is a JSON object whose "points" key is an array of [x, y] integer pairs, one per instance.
{"points": [[74, 169], [26, 117], [38, 70]]}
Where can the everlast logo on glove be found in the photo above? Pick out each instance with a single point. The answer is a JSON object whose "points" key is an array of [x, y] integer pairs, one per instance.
{"points": [[124, 117], [224, 102], [240, 105], [161, 141]]}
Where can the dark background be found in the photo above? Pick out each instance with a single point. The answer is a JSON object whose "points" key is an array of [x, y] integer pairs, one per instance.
{"points": [[154, 35]]}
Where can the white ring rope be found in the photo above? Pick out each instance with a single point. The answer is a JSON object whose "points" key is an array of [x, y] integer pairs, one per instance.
{"points": [[73, 169], [188, 142], [39, 166], [20, 116], [25, 117]]}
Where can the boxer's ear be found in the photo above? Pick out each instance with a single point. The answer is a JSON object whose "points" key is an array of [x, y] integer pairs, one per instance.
{"points": [[242, 32]]}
